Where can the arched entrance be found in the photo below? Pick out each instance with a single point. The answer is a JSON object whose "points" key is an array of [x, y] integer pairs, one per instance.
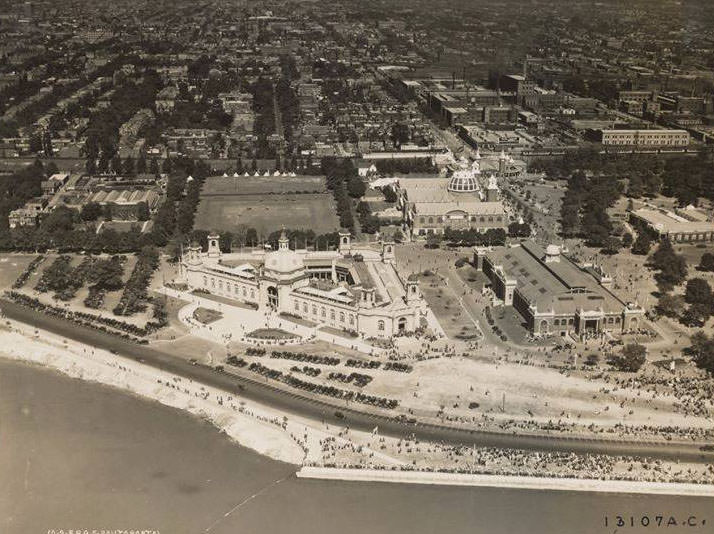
{"points": [[633, 323], [402, 324], [273, 297], [544, 327]]}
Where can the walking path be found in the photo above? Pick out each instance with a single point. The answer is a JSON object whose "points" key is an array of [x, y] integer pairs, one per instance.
{"points": [[237, 322], [500, 481]]}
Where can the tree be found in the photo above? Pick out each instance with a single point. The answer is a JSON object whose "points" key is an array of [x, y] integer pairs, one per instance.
{"points": [[128, 167], [672, 267], [400, 133], [141, 165], [631, 359], [627, 240], [35, 143], [116, 164], [154, 167], [698, 291], [90, 211], [670, 305], [611, 245], [433, 241], [91, 166], [707, 262], [398, 236], [702, 349], [356, 187], [142, 211], [642, 244]]}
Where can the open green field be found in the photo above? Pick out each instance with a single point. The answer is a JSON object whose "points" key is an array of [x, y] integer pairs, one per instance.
{"points": [[256, 185], [11, 266], [267, 213]]}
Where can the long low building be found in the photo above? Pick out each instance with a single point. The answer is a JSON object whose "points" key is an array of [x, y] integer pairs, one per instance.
{"points": [[553, 294], [678, 228], [643, 138], [353, 289]]}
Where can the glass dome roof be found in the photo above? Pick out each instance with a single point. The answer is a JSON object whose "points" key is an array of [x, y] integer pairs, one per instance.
{"points": [[464, 179], [462, 184]]}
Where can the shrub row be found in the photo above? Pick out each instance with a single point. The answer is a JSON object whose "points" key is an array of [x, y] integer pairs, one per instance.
{"points": [[20, 282], [56, 277], [86, 319], [134, 297], [106, 324]]}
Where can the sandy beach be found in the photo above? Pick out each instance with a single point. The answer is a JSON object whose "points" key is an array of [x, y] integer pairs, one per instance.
{"points": [[255, 426], [305, 442]]}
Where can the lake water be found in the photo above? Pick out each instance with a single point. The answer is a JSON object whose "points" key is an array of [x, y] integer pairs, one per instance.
{"points": [[75, 455]]}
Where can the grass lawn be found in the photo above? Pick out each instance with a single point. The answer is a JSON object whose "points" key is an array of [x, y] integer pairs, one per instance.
{"points": [[451, 316], [338, 332], [271, 333], [12, 266], [224, 300], [267, 213], [261, 185], [111, 298], [206, 316]]}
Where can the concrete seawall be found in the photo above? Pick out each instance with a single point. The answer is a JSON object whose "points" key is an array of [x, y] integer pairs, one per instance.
{"points": [[500, 481]]}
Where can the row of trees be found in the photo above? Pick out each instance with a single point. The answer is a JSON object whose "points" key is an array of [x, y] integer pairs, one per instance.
{"points": [[584, 209], [471, 237], [264, 126], [344, 182], [102, 134], [135, 296], [406, 166], [684, 177]]}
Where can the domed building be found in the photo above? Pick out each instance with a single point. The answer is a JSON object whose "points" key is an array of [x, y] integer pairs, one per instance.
{"points": [[355, 288], [464, 199]]}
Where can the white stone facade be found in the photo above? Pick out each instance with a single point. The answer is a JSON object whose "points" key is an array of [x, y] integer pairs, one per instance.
{"points": [[354, 289]]}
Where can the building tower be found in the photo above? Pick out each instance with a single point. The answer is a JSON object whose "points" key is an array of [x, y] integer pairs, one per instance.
{"points": [[502, 160], [368, 297], [412, 287], [388, 252], [492, 190], [345, 241], [214, 249], [193, 257], [283, 241]]}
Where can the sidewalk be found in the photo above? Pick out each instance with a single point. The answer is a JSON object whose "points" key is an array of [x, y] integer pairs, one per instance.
{"points": [[500, 481], [237, 322]]}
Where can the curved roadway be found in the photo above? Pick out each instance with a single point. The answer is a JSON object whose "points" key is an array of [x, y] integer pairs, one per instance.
{"points": [[304, 405]]}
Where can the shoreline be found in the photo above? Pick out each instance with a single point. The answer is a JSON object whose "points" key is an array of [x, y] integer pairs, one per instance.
{"points": [[505, 481], [261, 428]]}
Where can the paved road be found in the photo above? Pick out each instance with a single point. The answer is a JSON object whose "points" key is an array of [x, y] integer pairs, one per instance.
{"points": [[303, 405]]}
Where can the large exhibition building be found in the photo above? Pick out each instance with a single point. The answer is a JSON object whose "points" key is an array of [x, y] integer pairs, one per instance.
{"points": [[553, 294], [432, 204], [353, 289]]}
